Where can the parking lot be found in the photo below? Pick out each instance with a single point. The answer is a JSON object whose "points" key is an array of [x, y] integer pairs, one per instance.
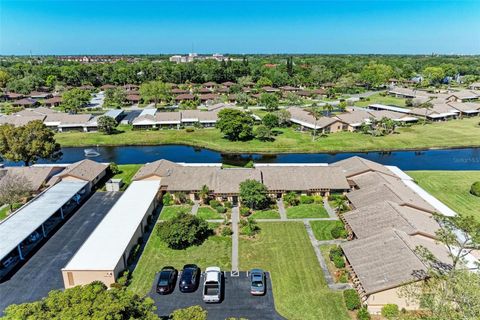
{"points": [[41, 273], [237, 300]]}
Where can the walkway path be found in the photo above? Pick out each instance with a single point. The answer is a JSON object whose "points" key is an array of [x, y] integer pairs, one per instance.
{"points": [[330, 211], [323, 264], [281, 210], [235, 219], [296, 219], [195, 206]]}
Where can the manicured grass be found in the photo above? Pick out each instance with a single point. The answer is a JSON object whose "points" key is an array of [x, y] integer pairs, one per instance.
{"points": [[322, 229], [377, 98], [455, 133], [452, 188], [216, 251], [127, 171], [266, 214], [3, 213], [208, 213], [299, 289], [168, 212], [313, 210]]}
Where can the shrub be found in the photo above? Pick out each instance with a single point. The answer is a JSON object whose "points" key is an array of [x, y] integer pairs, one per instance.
{"points": [[113, 168], [306, 199], [181, 197], [190, 130], [193, 312], [221, 209], [249, 227], [475, 189], [335, 252], [228, 205], [167, 199], [338, 232], [244, 211], [214, 203], [352, 300], [226, 231], [390, 311], [363, 314], [183, 231], [338, 262], [291, 198], [317, 199]]}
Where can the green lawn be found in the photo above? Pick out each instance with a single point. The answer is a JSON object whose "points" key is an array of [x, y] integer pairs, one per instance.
{"points": [[266, 214], [322, 229], [127, 171], [299, 289], [168, 212], [215, 251], [313, 210], [452, 188], [3, 213], [455, 133], [208, 213], [377, 98]]}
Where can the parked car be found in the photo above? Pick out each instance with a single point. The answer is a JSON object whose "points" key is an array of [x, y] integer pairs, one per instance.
{"points": [[212, 286], [189, 278], [257, 282], [166, 280]]}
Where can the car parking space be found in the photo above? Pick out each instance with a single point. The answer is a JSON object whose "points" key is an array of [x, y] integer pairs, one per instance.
{"points": [[41, 273], [236, 300]]}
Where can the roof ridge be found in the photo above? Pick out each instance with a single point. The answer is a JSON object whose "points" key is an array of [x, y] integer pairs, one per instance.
{"points": [[408, 246], [392, 204]]}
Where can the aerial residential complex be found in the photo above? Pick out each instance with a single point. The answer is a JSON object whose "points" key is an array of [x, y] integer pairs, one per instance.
{"points": [[389, 217]]}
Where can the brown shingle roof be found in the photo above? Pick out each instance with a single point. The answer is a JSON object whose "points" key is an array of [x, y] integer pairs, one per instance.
{"points": [[86, 170], [356, 165], [383, 216], [37, 176]]}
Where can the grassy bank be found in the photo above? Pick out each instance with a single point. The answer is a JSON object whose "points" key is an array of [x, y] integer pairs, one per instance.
{"points": [[455, 133], [299, 289], [452, 188]]}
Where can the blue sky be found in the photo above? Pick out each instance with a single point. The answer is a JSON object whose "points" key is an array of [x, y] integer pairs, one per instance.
{"points": [[357, 26]]}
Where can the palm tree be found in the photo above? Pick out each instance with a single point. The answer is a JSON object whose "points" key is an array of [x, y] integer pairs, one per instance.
{"points": [[329, 108], [204, 193], [427, 106], [317, 114]]}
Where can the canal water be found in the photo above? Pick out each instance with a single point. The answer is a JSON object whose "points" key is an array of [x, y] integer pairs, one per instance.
{"points": [[450, 159]]}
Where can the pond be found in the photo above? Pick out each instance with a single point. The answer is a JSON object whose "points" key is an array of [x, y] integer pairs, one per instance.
{"points": [[449, 159]]}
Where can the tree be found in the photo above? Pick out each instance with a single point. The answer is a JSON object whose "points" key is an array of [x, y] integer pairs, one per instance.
{"points": [[28, 143], [190, 313], [155, 91], [269, 101], [452, 291], [433, 75], [115, 97], [270, 120], [235, 124], [4, 77], [75, 99], [204, 193], [13, 189], [328, 108], [253, 194], [376, 75], [92, 301], [316, 113], [427, 106], [263, 133], [106, 124], [283, 117], [475, 188], [51, 81], [264, 82], [183, 231]]}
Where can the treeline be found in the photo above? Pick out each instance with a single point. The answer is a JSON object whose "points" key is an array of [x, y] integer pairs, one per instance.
{"points": [[23, 75]]}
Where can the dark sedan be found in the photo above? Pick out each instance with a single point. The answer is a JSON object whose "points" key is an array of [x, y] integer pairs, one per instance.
{"points": [[190, 278], [166, 280]]}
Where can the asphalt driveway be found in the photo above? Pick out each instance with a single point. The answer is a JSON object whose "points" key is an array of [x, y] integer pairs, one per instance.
{"points": [[237, 300], [41, 273]]}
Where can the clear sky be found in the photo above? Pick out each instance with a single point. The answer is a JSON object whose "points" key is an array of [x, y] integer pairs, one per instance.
{"points": [[227, 26]]}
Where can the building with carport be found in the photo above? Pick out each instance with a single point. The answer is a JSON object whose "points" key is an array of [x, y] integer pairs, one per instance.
{"points": [[105, 254], [24, 230]]}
